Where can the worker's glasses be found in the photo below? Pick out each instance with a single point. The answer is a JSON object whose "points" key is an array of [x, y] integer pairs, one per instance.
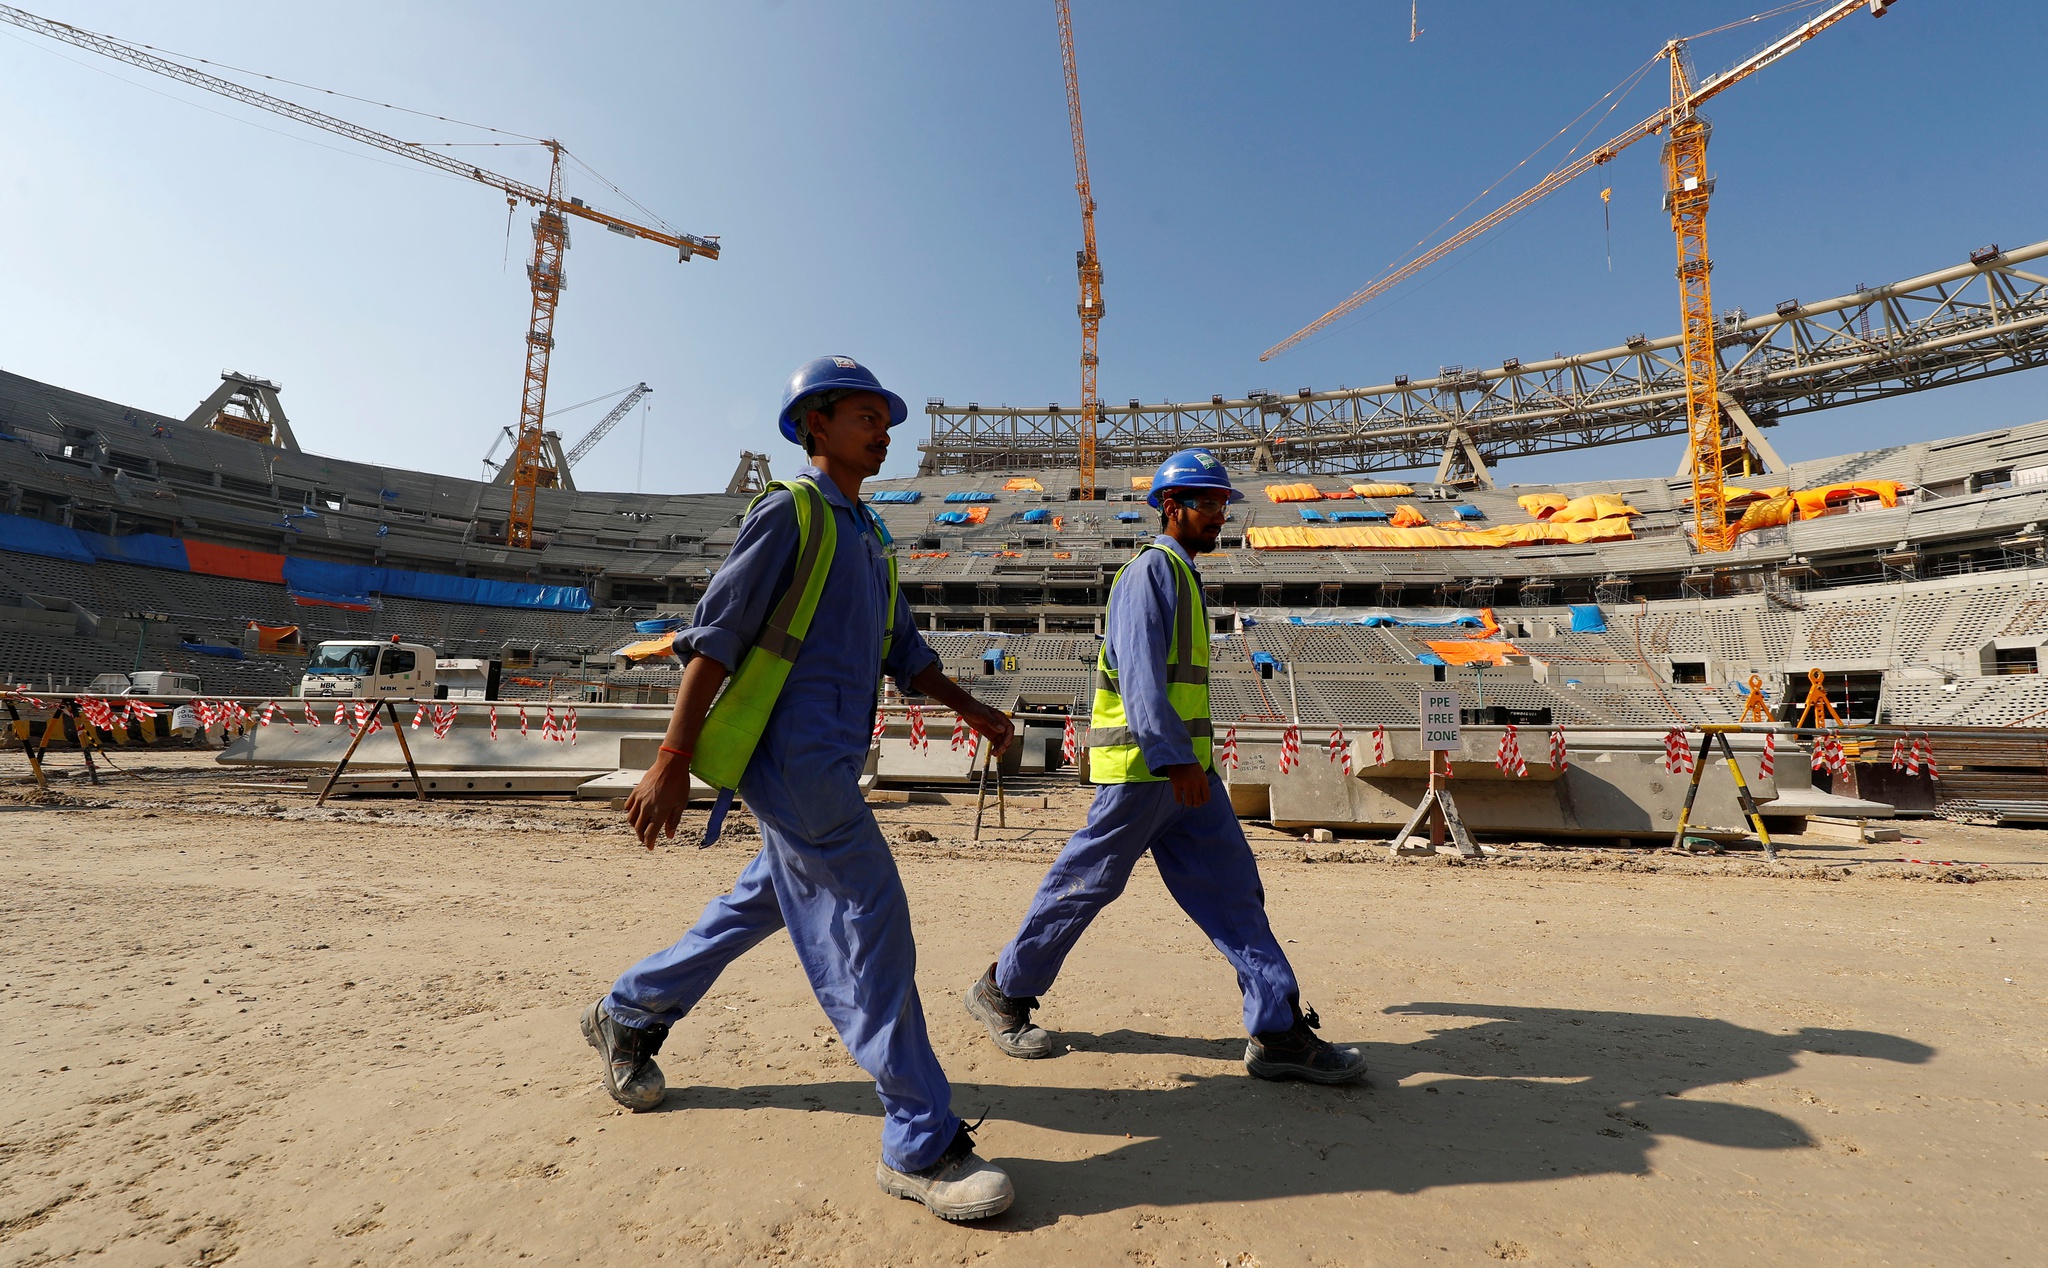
{"points": [[1205, 506]]}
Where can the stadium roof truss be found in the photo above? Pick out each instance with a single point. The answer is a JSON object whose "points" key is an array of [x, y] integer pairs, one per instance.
{"points": [[1969, 322]]}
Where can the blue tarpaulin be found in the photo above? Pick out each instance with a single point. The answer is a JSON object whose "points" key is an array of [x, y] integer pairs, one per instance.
{"points": [[35, 537], [1313, 517], [319, 578], [660, 625], [1587, 619], [895, 497], [1377, 621], [214, 649], [150, 550], [1038, 516], [313, 579], [1128, 517], [974, 495], [950, 517], [1359, 517], [1429, 658], [1470, 512]]}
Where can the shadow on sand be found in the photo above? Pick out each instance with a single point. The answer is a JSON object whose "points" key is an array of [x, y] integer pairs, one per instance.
{"points": [[1521, 1094]]}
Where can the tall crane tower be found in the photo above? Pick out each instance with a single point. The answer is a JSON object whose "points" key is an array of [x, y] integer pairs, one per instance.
{"points": [[1688, 190], [532, 464], [1085, 260]]}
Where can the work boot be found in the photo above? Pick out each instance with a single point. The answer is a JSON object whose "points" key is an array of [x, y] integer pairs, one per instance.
{"points": [[959, 1186], [630, 1074], [1008, 1018], [1296, 1053]]}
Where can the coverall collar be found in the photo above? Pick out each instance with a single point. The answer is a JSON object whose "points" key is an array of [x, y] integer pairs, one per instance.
{"points": [[1167, 542], [830, 488]]}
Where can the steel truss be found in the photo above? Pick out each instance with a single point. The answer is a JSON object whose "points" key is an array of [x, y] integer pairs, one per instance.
{"points": [[1974, 321]]}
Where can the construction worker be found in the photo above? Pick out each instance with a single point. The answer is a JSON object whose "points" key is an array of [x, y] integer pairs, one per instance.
{"points": [[1149, 745], [793, 730]]}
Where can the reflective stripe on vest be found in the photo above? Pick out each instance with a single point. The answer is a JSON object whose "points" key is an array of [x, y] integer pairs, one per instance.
{"points": [[1113, 754], [733, 728]]}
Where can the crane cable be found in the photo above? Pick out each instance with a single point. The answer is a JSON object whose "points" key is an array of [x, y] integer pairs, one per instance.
{"points": [[1619, 93]]}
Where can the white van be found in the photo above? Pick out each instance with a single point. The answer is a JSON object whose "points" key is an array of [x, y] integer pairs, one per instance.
{"points": [[369, 669]]}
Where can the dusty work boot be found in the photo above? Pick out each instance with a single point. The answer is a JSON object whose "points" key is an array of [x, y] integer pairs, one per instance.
{"points": [[630, 1074], [959, 1186], [1296, 1053], [1008, 1018]]}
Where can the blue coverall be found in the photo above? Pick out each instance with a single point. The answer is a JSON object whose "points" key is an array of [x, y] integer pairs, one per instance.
{"points": [[824, 871], [1201, 851]]}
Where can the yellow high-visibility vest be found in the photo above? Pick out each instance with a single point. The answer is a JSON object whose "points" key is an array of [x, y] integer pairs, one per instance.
{"points": [[738, 718], [1113, 755]]}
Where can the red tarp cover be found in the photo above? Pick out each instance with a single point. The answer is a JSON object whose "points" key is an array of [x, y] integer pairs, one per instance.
{"points": [[227, 561]]}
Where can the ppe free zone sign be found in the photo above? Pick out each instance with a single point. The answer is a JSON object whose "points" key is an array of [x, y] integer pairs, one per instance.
{"points": [[1438, 715]]}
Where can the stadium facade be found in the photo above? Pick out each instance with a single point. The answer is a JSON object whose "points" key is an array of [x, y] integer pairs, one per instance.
{"points": [[1919, 585]]}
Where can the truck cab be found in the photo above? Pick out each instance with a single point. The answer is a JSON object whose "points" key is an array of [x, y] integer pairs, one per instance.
{"points": [[369, 669]]}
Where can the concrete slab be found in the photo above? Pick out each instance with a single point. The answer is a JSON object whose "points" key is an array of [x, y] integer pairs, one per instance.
{"points": [[482, 783], [1615, 786], [600, 728]]}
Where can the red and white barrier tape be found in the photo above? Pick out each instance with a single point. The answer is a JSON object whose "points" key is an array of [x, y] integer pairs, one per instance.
{"points": [[1508, 757]]}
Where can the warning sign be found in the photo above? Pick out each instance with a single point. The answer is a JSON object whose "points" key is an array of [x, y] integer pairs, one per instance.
{"points": [[1439, 718]]}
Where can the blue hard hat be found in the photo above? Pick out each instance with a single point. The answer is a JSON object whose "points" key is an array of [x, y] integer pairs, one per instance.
{"points": [[1191, 469], [827, 374]]}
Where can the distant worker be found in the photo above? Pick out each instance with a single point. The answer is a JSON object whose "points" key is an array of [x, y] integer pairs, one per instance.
{"points": [[792, 734], [1149, 747]]}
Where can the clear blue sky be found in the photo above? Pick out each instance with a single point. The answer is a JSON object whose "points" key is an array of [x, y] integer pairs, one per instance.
{"points": [[894, 182]]}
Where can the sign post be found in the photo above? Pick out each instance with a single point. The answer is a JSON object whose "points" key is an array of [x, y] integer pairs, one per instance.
{"points": [[1440, 733]]}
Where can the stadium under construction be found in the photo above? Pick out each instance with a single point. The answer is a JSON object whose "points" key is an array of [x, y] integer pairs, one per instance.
{"points": [[1913, 578]]}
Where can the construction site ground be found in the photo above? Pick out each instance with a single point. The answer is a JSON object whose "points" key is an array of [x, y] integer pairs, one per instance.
{"points": [[238, 1027]]}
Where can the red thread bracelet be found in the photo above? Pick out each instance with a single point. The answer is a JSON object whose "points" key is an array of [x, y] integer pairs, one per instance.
{"points": [[679, 752]]}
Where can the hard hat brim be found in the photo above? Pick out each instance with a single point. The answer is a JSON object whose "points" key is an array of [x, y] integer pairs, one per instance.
{"points": [[898, 411], [1152, 498]]}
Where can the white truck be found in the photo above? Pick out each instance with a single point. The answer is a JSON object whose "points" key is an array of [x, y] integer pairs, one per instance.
{"points": [[148, 682], [374, 669]]}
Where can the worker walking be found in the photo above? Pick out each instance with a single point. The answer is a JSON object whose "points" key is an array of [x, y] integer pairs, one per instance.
{"points": [[1149, 749], [791, 734]]}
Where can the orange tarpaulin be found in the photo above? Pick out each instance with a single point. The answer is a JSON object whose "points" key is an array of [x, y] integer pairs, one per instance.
{"points": [[1813, 503], [1383, 490], [1735, 495], [1769, 513], [1023, 484], [1593, 506], [1406, 516], [226, 561], [277, 638], [1472, 652], [663, 646], [1294, 493], [1542, 505], [1349, 537], [1141, 484], [977, 515]]}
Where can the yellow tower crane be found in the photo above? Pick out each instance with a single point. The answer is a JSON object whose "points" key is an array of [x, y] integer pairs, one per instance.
{"points": [[532, 466], [1687, 191], [1085, 260]]}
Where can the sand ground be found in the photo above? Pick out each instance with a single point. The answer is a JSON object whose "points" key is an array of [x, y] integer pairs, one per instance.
{"points": [[234, 1028]]}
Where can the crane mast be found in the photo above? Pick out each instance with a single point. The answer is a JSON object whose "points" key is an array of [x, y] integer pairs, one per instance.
{"points": [[1687, 188], [1086, 263], [531, 465]]}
